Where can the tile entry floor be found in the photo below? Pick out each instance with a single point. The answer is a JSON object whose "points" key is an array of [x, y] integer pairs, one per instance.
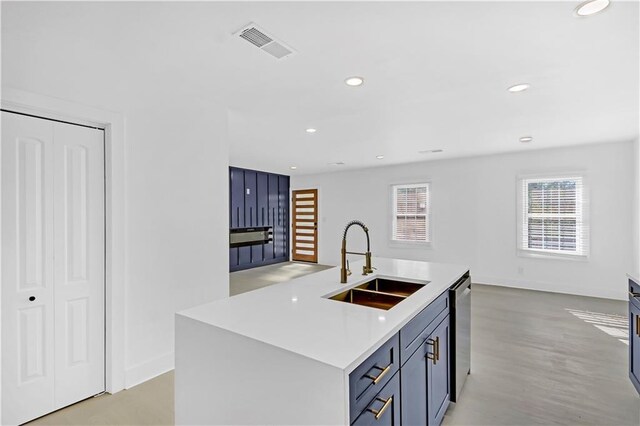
{"points": [[537, 358]]}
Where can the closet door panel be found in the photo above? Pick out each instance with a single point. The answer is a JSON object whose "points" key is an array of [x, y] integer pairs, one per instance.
{"points": [[79, 266], [27, 268]]}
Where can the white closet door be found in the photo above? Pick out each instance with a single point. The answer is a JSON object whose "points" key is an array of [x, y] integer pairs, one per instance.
{"points": [[79, 262], [52, 266], [27, 268]]}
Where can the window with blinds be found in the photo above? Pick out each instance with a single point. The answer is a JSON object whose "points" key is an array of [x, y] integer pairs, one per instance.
{"points": [[552, 216], [411, 213]]}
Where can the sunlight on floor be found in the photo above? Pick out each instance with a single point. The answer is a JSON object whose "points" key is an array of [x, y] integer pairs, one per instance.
{"points": [[614, 325]]}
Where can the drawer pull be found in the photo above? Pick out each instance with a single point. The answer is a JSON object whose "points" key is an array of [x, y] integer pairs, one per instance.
{"points": [[435, 356], [638, 325], [379, 376], [386, 404]]}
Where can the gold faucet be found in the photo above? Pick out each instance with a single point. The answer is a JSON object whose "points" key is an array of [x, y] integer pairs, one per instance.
{"points": [[344, 269]]}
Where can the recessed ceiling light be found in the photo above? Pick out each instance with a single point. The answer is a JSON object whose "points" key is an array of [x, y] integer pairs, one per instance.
{"points": [[526, 139], [591, 7], [430, 151], [311, 130], [379, 157], [354, 81], [293, 167], [519, 88]]}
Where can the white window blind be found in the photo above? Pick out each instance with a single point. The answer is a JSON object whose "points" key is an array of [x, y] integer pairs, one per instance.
{"points": [[411, 213], [553, 216]]}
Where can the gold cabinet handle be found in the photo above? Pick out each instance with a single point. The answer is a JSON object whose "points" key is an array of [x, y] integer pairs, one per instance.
{"points": [[435, 356], [377, 378], [386, 404]]}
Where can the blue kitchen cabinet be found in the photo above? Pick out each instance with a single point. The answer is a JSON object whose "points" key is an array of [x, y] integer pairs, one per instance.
{"points": [[426, 380], [250, 204], [419, 355], [260, 252], [244, 255], [258, 200], [634, 334], [272, 182], [233, 257], [414, 389], [262, 196], [385, 408], [634, 345], [281, 243], [236, 193], [371, 375], [250, 198], [236, 209], [438, 383]]}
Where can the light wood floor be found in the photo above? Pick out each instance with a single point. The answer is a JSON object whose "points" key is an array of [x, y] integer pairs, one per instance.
{"points": [[542, 358], [537, 358]]}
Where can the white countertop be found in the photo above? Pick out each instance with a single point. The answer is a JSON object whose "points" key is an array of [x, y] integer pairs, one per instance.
{"points": [[296, 317]]}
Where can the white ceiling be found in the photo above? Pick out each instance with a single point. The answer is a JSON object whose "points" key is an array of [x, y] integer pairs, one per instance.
{"points": [[436, 73]]}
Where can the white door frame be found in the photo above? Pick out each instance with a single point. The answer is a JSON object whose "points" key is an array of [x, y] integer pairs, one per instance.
{"points": [[115, 225]]}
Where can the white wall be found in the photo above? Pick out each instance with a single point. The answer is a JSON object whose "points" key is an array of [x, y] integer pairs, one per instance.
{"points": [[177, 225], [474, 216], [636, 209], [176, 152]]}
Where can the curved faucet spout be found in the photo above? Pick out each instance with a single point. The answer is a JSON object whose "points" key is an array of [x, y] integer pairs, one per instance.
{"points": [[366, 269]]}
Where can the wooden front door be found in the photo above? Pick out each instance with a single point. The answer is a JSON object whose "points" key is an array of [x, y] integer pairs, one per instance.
{"points": [[305, 225]]}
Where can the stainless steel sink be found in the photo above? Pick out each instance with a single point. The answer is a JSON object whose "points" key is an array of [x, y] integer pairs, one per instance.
{"points": [[379, 293]]}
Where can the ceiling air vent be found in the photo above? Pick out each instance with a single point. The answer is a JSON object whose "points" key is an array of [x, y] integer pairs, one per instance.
{"points": [[257, 36]]}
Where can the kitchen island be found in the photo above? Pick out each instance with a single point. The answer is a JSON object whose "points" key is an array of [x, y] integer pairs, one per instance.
{"points": [[285, 354]]}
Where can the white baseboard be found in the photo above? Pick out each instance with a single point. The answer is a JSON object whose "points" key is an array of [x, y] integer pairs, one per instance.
{"points": [[148, 370], [605, 293]]}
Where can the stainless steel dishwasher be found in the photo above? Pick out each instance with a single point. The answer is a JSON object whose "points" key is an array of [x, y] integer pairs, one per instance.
{"points": [[460, 296]]}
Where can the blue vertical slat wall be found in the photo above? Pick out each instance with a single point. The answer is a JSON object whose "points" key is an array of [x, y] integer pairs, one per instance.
{"points": [[236, 209], [262, 207], [282, 244], [250, 199], [272, 207], [259, 199]]}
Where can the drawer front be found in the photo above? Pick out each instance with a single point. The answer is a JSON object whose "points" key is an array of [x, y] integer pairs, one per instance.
{"points": [[413, 334], [371, 376], [384, 409]]}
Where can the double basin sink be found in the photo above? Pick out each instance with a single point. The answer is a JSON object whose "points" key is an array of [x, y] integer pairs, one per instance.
{"points": [[378, 293]]}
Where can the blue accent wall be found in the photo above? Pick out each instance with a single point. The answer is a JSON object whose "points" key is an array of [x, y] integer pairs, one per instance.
{"points": [[259, 198]]}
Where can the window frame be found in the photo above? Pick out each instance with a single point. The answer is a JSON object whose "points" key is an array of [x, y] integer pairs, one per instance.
{"points": [[582, 217], [393, 216]]}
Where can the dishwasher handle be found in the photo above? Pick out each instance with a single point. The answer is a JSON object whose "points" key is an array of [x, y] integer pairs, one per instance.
{"points": [[462, 284]]}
